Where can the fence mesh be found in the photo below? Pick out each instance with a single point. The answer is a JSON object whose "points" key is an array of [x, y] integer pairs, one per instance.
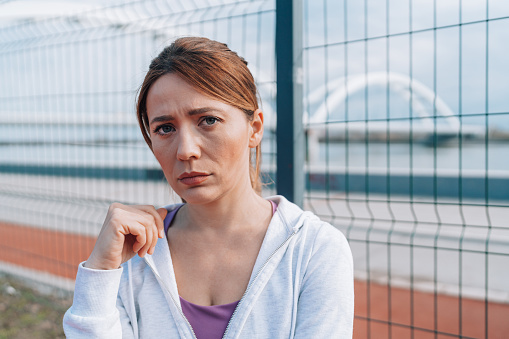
{"points": [[407, 132], [406, 124], [69, 140]]}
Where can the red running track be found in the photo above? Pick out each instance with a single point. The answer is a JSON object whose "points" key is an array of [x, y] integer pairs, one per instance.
{"points": [[59, 253]]}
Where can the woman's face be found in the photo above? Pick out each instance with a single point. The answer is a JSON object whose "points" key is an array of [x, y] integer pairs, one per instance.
{"points": [[201, 144]]}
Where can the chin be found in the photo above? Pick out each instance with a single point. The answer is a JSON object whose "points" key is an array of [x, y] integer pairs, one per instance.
{"points": [[204, 193], [198, 195]]}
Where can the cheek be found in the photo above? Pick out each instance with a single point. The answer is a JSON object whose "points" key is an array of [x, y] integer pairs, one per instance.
{"points": [[233, 144], [162, 154]]}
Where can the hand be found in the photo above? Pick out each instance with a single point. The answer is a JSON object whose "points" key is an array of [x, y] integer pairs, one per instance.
{"points": [[127, 230]]}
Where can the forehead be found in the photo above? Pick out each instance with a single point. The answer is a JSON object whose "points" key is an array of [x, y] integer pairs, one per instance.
{"points": [[171, 87], [171, 94]]}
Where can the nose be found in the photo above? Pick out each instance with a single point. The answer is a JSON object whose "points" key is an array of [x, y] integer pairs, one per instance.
{"points": [[188, 145]]}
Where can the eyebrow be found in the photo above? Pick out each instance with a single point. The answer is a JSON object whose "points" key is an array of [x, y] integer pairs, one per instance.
{"points": [[169, 117]]}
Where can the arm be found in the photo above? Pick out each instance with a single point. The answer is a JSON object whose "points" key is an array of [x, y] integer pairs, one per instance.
{"points": [[127, 231], [326, 302], [95, 312]]}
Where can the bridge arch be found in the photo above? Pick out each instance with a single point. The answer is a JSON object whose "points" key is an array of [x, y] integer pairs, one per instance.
{"points": [[410, 89]]}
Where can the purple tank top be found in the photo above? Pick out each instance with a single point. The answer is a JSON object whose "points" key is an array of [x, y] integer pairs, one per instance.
{"points": [[208, 322]]}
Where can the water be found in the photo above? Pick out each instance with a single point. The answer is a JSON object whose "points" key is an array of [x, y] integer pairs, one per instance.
{"points": [[397, 156], [123, 146]]}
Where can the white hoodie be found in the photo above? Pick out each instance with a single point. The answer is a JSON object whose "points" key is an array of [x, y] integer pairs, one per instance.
{"points": [[301, 287]]}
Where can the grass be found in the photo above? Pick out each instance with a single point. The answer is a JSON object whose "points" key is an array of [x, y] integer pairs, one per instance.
{"points": [[26, 313]]}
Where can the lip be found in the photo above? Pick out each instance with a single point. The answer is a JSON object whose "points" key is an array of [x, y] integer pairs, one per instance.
{"points": [[193, 178]]}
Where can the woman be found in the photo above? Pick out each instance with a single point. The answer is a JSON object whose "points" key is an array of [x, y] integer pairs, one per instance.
{"points": [[241, 266]]}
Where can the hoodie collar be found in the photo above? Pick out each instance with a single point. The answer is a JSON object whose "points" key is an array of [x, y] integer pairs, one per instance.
{"points": [[288, 219]]}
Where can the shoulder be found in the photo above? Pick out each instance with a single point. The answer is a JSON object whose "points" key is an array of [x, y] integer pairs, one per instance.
{"points": [[320, 252], [172, 207], [329, 257], [318, 236], [297, 219], [325, 242]]}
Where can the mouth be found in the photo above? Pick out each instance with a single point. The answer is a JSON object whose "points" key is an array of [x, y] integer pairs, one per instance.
{"points": [[193, 178]]}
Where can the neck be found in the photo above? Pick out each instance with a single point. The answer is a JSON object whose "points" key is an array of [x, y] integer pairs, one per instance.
{"points": [[235, 211]]}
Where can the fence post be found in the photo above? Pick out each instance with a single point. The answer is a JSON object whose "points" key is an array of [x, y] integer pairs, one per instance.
{"points": [[289, 131]]}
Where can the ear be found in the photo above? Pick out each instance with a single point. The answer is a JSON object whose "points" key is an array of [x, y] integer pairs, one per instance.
{"points": [[256, 129]]}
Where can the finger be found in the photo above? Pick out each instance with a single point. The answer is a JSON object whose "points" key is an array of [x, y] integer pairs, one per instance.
{"points": [[162, 213], [147, 221], [148, 242], [152, 229], [154, 240], [158, 216], [141, 237]]}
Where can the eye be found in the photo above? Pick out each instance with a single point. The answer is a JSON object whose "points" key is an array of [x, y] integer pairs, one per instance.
{"points": [[164, 129], [210, 120]]}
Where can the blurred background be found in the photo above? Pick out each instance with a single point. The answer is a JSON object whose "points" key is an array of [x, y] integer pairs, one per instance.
{"points": [[405, 125]]}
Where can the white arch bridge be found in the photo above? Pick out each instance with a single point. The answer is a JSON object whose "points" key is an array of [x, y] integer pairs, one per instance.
{"points": [[431, 120]]}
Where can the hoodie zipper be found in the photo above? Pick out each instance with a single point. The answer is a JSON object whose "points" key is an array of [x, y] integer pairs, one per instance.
{"points": [[254, 279], [241, 299], [172, 298]]}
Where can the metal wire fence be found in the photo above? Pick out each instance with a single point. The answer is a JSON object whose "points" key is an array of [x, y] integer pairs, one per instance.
{"points": [[406, 128], [407, 131], [69, 140]]}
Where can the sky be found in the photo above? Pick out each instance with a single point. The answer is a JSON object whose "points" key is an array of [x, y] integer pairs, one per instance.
{"points": [[12, 10], [458, 72]]}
